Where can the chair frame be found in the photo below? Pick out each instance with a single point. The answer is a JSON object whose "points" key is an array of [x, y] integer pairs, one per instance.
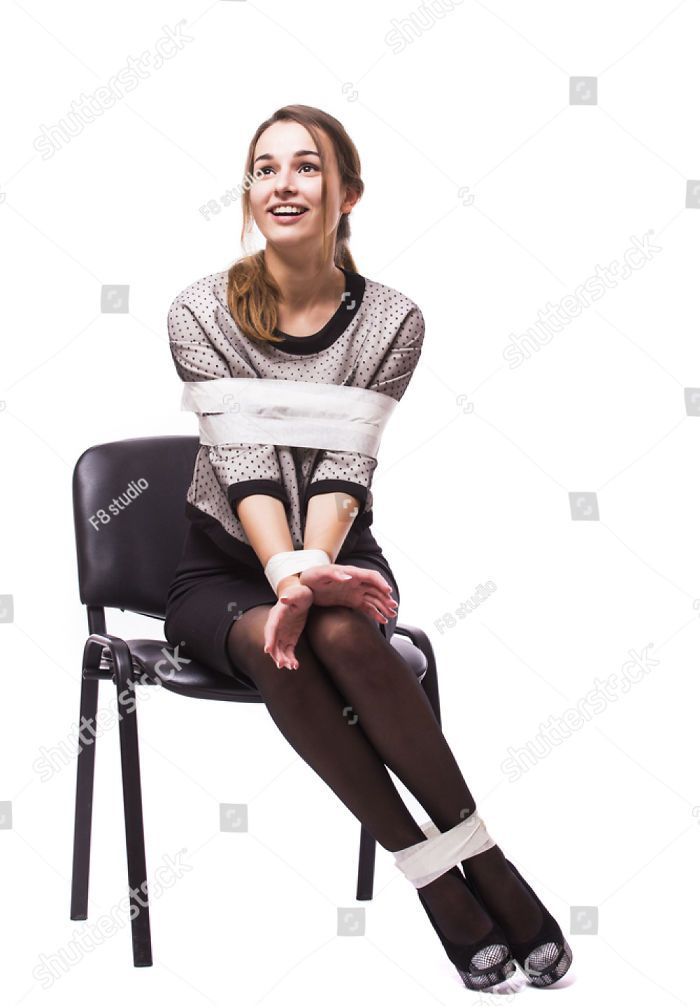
{"points": [[114, 571], [119, 667]]}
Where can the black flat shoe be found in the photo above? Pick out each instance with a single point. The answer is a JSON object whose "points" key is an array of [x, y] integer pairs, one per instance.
{"points": [[482, 964], [546, 956]]}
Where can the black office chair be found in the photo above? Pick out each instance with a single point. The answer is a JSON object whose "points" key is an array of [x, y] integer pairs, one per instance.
{"points": [[126, 559]]}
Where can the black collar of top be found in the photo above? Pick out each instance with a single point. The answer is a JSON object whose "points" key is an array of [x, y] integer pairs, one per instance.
{"points": [[334, 327]]}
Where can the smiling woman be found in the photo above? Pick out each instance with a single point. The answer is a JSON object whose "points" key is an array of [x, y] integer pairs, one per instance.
{"points": [[293, 361], [288, 210]]}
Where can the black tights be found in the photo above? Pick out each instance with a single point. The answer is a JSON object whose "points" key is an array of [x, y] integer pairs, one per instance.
{"points": [[353, 708]]}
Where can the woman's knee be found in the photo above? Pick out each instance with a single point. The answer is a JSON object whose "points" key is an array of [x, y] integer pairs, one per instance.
{"points": [[341, 632], [246, 638]]}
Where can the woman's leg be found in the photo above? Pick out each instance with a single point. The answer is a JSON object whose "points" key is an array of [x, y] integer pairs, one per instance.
{"points": [[397, 718], [314, 717]]}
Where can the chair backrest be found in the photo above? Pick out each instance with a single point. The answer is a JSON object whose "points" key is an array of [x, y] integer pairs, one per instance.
{"points": [[130, 522]]}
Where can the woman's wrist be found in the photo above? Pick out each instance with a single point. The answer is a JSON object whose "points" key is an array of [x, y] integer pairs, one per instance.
{"points": [[287, 581]]}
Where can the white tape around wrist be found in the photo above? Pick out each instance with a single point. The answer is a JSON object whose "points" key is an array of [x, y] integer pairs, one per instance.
{"points": [[286, 563]]}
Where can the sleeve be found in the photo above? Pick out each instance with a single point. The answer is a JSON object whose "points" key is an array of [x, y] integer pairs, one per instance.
{"points": [[241, 469], [350, 472]]}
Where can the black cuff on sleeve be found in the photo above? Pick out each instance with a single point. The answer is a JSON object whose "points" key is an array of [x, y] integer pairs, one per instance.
{"points": [[254, 487], [337, 485]]}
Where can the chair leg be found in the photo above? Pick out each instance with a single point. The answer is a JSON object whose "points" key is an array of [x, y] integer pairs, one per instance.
{"points": [[365, 869], [133, 820], [83, 803], [430, 686]]}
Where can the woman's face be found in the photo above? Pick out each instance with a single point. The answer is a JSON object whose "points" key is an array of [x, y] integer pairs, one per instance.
{"points": [[288, 170]]}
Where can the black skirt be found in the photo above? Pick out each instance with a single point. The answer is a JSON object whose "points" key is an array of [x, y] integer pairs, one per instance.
{"points": [[211, 589]]}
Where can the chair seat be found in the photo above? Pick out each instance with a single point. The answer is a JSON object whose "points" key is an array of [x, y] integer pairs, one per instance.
{"points": [[153, 661]]}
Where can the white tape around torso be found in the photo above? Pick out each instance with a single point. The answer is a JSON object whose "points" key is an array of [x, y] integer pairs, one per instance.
{"points": [[261, 410]]}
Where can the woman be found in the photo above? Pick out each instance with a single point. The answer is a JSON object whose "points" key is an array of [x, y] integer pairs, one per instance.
{"points": [[281, 582]]}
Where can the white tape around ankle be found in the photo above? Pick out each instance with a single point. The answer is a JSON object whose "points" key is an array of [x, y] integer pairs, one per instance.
{"points": [[441, 850], [286, 563]]}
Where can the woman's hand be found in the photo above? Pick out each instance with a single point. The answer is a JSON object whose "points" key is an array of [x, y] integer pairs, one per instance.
{"points": [[351, 587], [286, 621]]}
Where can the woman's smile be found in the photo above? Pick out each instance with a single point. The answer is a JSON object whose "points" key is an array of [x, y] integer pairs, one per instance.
{"points": [[287, 213]]}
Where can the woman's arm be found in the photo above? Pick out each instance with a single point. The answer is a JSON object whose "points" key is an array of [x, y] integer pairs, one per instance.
{"points": [[264, 521], [329, 517], [328, 520], [341, 481]]}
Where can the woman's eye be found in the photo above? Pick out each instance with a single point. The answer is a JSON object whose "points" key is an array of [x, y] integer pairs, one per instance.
{"points": [[262, 171]]}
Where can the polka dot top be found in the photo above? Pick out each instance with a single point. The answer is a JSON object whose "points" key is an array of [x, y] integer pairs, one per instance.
{"points": [[373, 340]]}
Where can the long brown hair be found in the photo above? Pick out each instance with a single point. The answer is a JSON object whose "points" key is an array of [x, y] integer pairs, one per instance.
{"points": [[252, 293]]}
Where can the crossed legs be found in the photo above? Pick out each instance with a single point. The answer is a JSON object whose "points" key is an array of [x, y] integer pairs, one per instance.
{"points": [[393, 710], [351, 709], [319, 724], [313, 716], [398, 719]]}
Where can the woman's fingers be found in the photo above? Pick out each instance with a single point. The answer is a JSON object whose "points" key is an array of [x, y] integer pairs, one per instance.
{"points": [[372, 580], [368, 577], [269, 638], [290, 658], [372, 604], [273, 653], [282, 658], [384, 603], [387, 605], [291, 626], [340, 574], [370, 610], [286, 657], [272, 646], [286, 654], [377, 580]]}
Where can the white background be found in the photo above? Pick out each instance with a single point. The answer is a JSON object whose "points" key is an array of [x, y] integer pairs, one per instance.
{"points": [[468, 489]]}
